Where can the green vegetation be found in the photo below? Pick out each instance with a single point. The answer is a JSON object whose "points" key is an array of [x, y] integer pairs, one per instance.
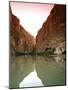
{"points": [[48, 51]]}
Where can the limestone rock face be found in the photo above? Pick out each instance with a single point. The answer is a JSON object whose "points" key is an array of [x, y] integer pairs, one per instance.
{"points": [[20, 39], [52, 33]]}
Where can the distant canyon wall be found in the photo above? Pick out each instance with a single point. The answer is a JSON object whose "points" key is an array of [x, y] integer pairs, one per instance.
{"points": [[52, 32], [20, 39]]}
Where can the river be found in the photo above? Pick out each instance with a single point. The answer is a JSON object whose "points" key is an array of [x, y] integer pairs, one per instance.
{"points": [[36, 71]]}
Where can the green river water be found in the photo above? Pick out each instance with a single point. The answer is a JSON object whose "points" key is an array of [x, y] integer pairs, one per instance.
{"points": [[32, 71]]}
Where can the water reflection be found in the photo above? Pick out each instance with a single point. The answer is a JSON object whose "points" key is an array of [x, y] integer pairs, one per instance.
{"points": [[46, 71], [19, 69], [32, 80], [50, 72]]}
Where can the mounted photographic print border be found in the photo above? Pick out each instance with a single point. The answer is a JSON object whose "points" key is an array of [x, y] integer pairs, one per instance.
{"points": [[37, 44]]}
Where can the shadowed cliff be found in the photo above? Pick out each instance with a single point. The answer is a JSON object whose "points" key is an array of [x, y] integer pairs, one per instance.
{"points": [[20, 39], [50, 36], [52, 32]]}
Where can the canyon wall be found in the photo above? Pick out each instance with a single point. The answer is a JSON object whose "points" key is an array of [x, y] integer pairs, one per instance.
{"points": [[52, 32], [20, 39]]}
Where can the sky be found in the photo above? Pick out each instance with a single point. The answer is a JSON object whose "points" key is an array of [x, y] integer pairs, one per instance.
{"points": [[31, 15]]}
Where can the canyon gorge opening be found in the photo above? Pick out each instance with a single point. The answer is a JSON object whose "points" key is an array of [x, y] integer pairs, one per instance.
{"points": [[37, 27], [31, 15]]}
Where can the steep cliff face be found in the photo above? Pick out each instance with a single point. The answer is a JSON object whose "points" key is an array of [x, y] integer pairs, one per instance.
{"points": [[20, 39], [52, 33]]}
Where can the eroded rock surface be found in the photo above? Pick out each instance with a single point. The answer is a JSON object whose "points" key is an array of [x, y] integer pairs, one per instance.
{"points": [[20, 39], [52, 33]]}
